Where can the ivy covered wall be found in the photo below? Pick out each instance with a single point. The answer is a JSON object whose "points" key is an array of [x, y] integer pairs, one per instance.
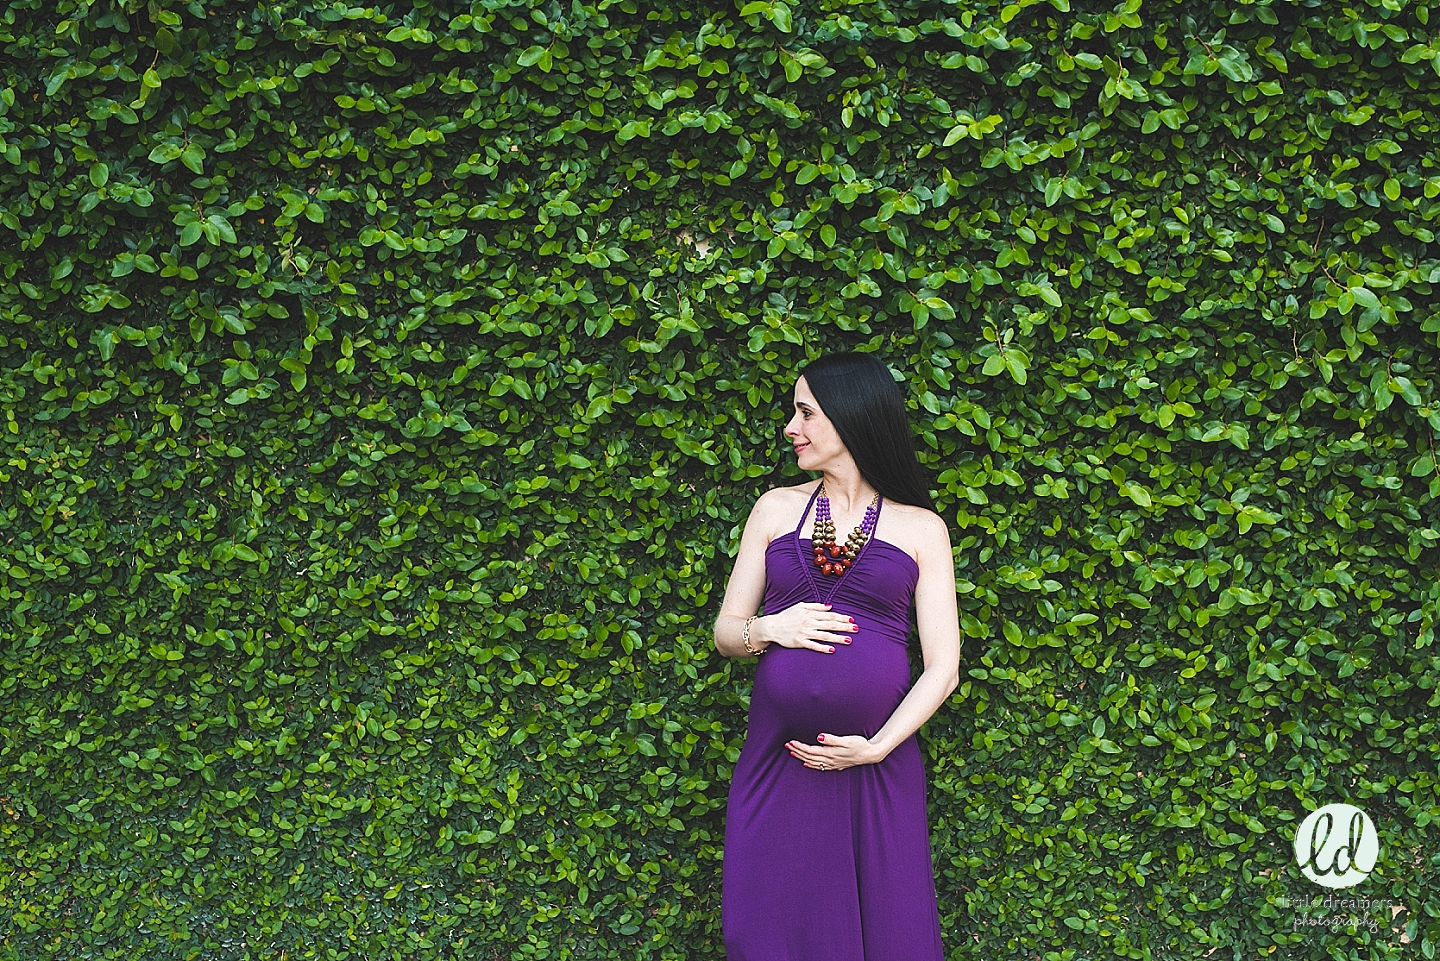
{"points": [[385, 387]]}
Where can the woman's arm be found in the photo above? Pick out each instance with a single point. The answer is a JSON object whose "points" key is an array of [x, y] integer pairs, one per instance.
{"points": [[746, 588], [939, 624]]}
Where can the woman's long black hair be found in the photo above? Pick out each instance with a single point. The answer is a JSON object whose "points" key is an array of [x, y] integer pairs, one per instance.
{"points": [[860, 396]]}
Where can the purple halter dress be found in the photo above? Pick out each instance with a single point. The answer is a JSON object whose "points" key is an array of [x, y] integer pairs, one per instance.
{"points": [[830, 865]]}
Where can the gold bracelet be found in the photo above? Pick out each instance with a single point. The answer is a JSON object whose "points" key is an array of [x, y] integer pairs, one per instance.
{"points": [[745, 638]]}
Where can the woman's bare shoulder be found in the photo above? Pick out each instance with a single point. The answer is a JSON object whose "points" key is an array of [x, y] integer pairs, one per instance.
{"points": [[779, 507], [916, 530], [782, 494], [915, 515]]}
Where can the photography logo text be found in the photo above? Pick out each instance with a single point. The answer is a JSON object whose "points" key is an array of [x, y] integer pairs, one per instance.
{"points": [[1337, 846]]}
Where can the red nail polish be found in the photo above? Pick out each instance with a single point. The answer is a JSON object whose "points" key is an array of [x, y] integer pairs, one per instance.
{"points": [[822, 737]]}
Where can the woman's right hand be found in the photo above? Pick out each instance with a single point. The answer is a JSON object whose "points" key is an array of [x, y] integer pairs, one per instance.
{"points": [[809, 625]]}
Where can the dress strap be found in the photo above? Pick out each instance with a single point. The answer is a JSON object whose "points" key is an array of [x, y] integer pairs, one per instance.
{"points": [[806, 513]]}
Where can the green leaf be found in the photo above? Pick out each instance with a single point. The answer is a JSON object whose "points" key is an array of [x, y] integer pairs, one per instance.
{"points": [[1136, 493], [193, 156], [1364, 297], [166, 152], [1016, 365], [1402, 385], [1233, 64], [218, 229]]}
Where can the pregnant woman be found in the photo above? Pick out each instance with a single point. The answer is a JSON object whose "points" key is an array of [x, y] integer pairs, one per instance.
{"points": [[827, 847]]}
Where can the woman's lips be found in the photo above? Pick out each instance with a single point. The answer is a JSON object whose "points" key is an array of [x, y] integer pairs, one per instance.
{"points": [[800, 447]]}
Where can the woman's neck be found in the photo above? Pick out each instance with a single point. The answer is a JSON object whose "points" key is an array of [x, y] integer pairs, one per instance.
{"points": [[847, 490]]}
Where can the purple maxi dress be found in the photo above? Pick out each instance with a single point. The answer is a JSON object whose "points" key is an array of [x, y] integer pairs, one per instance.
{"points": [[830, 865]]}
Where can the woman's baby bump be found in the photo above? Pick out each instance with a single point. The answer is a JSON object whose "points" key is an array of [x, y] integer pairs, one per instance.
{"points": [[852, 691]]}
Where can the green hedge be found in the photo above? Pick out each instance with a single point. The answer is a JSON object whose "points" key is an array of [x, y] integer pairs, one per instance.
{"points": [[385, 388]]}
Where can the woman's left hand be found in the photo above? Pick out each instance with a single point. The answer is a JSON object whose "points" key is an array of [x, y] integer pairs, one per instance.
{"points": [[838, 751]]}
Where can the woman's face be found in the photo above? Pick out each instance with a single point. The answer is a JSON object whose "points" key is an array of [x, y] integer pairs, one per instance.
{"points": [[811, 432]]}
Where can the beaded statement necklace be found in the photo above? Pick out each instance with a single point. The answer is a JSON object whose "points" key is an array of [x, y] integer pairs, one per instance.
{"points": [[832, 560]]}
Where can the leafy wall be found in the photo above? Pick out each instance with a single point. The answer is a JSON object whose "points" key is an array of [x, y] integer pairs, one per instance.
{"points": [[385, 387]]}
